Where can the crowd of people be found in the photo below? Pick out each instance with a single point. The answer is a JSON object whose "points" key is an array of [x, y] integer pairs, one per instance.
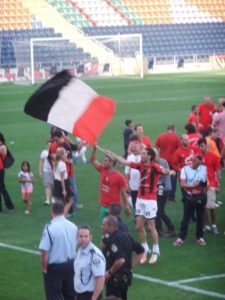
{"points": [[72, 265]]}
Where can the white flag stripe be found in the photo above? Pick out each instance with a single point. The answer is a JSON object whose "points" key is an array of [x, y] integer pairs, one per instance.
{"points": [[60, 114]]}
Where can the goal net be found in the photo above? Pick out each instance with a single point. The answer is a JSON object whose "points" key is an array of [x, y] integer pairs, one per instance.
{"points": [[114, 55]]}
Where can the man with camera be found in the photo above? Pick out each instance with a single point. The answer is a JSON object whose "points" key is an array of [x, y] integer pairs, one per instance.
{"points": [[193, 178]]}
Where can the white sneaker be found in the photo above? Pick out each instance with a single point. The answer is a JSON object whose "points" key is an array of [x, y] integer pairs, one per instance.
{"points": [[207, 228], [214, 229], [47, 202], [179, 242], [201, 242], [53, 200], [154, 257]]}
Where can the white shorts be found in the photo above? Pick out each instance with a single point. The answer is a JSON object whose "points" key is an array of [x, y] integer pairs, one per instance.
{"points": [[211, 198], [146, 208]]}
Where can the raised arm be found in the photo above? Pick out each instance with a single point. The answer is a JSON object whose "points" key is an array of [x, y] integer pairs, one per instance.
{"points": [[120, 159], [94, 162]]}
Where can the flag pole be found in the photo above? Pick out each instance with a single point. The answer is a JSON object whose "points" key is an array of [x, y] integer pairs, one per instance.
{"points": [[100, 149]]}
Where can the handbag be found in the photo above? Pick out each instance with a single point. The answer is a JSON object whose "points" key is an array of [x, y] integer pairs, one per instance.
{"points": [[195, 200], [9, 161]]}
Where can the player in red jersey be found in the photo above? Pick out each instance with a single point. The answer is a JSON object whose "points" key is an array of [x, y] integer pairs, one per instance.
{"points": [[146, 204], [206, 110], [112, 185], [193, 117], [167, 143], [183, 155], [193, 136], [212, 162]]}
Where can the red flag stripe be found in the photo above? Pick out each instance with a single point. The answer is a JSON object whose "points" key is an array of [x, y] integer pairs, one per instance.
{"points": [[94, 119]]}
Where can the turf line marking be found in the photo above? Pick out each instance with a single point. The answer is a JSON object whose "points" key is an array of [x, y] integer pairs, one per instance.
{"points": [[19, 249], [179, 286], [199, 278], [146, 278]]}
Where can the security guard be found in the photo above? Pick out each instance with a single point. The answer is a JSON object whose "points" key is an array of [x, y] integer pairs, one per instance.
{"points": [[118, 247], [58, 250], [89, 268]]}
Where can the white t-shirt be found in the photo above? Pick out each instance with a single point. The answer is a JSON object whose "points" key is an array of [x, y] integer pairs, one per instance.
{"points": [[192, 175], [61, 167], [46, 165], [27, 176], [134, 173]]}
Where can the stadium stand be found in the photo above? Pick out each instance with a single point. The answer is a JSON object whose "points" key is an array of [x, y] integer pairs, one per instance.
{"points": [[169, 28]]}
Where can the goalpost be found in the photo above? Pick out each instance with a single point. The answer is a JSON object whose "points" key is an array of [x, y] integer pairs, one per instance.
{"points": [[91, 56], [39, 59]]}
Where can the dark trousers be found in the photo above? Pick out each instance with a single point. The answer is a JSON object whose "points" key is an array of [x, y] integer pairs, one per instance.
{"points": [[116, 287], [172, 193], [162, 216], [59, 281], [198, 204], [183, 193], [4, 192], [134, 197], [86, 296]]}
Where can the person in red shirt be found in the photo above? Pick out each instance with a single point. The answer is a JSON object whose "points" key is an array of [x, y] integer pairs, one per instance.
{"points": [[193, 136], [193, 117], [146, 204], [206, 110], [112, 185], [139, 128], [167, 143], [184, 155], [212, 162]]}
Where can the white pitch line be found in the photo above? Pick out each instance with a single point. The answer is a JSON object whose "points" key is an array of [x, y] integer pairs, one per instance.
{"points": [[19, 249], [179, 286], [146, 278], [199, 278]]}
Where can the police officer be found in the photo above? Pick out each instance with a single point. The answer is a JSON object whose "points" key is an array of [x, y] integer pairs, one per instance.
{"points": [[89, 268], [118, 247], [58, 250]]}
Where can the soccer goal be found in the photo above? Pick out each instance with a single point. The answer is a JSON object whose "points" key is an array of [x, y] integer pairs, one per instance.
{"points": [[92, 56], [39, 59]]}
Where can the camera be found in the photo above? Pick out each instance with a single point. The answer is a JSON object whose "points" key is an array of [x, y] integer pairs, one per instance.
{"points": [[160, 190], [202, 184]]}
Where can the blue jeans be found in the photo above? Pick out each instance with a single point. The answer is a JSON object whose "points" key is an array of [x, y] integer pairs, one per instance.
{"points": [[74, 190]]}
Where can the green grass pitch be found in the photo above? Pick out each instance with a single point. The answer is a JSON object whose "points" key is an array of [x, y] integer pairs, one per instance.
{"points": [[156, 101]]}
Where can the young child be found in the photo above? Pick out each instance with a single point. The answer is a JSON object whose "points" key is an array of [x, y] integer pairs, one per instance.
{"points": [[26, 179]]}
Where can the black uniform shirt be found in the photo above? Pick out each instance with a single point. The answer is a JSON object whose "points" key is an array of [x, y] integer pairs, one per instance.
{"points": [[120, 245]]}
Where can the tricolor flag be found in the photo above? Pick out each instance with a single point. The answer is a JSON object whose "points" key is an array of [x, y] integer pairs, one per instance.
{"points": [[70, 104]]}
